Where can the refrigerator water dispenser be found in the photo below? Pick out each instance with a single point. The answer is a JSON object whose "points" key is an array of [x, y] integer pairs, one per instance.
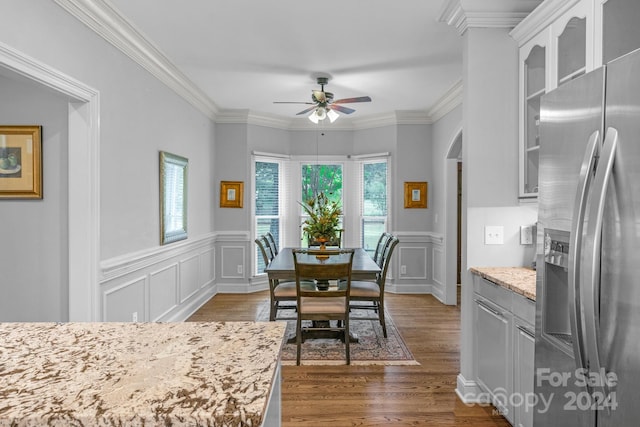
{"points": [[556, 325]]}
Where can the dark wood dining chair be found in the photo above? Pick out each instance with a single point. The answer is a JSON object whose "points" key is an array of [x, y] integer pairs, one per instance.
{"points": [[369, 295], [323, 306], [279, 291], [272, 242], [382, 243]]}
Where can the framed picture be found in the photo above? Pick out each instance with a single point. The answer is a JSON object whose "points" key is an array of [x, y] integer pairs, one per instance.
{"points": [[231, 194], [415, 195], [20, 162], [173, 197]]}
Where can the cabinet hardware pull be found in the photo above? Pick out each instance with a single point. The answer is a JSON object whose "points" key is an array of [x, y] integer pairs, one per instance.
{"points": [[526, 331], [489, 309]]}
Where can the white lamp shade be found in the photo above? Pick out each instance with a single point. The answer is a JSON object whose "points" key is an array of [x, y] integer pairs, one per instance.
{"points": [[313, 117], [332, 115]]}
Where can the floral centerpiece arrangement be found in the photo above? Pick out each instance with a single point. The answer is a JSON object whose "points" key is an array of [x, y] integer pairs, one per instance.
{"points": [[324, 218]]}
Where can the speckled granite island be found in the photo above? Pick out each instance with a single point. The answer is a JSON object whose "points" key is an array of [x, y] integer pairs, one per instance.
{"points": [[140, 374]]}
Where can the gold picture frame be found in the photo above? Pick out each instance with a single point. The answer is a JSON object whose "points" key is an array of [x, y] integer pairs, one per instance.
{"points": [[415, 195], [231, 194], [20, 162]]}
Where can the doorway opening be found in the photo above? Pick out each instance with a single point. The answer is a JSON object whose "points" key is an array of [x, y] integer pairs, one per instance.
{"points": [[454, 203]]}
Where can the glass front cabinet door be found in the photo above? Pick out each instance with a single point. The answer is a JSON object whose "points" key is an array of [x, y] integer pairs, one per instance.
{"points": [[533, 78]]}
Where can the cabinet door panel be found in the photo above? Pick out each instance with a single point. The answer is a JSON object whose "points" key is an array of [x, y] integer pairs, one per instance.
{"points": [[621, 32], [494, 354], [523, 372]]}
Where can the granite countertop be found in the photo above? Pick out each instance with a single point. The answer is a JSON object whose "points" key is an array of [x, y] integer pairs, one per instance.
{"points": [[520, 280], [135, 374]]}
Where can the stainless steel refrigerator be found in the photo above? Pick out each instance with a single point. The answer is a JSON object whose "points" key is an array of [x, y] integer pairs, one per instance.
{"points": [[587, 353]]}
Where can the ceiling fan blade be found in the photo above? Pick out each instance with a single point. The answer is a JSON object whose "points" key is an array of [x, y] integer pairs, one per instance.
{"points": [[319, 96], [356, 99], [293, 102], [307, 110], [345, 110]]}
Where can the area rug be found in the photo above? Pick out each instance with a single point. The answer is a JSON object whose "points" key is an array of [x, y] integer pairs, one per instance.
{"points": [[372, 347]]}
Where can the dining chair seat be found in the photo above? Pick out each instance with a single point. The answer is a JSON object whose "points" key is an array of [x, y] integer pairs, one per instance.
{"points": [[288, 289], [314, 305], [362, 289]]}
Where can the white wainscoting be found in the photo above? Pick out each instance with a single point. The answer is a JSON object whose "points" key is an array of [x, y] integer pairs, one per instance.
{"points": [[418, 264], [163, 284]]}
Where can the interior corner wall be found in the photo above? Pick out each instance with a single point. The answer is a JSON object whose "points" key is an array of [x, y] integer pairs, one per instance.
{"points": [[413, 163], [34, 233], [139, 117]]}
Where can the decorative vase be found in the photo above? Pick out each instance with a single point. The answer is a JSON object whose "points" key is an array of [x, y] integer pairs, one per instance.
{"points": [[322, 241]]}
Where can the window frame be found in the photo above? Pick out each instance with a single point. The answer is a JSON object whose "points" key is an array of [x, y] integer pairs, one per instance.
{"points": [[290, 190]]}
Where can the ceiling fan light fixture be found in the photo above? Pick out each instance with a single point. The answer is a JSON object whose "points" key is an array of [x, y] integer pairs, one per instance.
{"points": [[332, 115], [313, 117], [321, 112]]}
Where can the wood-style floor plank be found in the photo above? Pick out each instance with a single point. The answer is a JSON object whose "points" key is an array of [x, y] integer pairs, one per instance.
{"points": [[376, 395]]}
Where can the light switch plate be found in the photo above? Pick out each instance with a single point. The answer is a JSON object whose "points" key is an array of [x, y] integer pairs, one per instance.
{"points": [[493, 235], [526, 234]]}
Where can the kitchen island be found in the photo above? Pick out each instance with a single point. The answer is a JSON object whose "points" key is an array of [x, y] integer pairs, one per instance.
{"points": [[135, 374]]}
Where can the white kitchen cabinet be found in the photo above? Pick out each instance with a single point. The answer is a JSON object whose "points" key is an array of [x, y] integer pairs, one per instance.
{"points": [[556, 45], [523, 372], [504, 347], [575, 37], [617, 27], [493, 344]]}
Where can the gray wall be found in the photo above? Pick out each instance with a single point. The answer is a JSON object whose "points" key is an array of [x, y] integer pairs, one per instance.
{"points": [[33, 233], [139, 116]]}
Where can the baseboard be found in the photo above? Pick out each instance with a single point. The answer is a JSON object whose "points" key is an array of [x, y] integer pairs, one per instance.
{"points": [[187, 310], [469, 392]]}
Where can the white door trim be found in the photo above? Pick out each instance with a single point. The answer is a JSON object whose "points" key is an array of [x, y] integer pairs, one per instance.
{"points": [[84, 178]]}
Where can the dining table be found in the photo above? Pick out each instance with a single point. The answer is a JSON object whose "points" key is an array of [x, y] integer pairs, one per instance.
{"points": [[282, 268]]}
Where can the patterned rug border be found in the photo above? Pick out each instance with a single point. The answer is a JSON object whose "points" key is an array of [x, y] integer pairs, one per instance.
{"points": [[392, 332]]}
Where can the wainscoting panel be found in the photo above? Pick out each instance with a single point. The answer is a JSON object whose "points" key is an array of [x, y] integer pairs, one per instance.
{"points": [[208, 267], [119, 303], [189, 277], [417, 263], [163, 291], [168, 283], [232, 258], [414, 261]]}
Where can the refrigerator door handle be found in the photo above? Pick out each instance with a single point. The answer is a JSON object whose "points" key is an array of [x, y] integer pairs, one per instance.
{"points": [[575, 248], [592, 254]]}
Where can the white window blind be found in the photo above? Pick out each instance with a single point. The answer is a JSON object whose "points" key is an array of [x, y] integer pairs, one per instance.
{"points": [[373, 202], [268, 209]]}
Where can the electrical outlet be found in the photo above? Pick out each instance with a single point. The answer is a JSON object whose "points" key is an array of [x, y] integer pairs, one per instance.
{"points": [[403, 269], [526, 234], [239, 268], [493, 235], [134, 316]]}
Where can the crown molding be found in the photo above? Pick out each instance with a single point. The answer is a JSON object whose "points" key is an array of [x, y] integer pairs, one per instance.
{"points": [[465, 14], [540, 18], [450, 100], [102, 18]]}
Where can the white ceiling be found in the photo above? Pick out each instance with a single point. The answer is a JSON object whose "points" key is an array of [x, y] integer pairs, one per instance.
{"points": [[245, 54]]}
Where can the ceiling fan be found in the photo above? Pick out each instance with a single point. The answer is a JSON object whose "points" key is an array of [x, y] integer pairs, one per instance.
{"points": [[324, 106]]}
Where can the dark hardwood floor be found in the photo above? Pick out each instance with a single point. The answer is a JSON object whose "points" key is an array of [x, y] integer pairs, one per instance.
{"points": [[376, 395]]}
